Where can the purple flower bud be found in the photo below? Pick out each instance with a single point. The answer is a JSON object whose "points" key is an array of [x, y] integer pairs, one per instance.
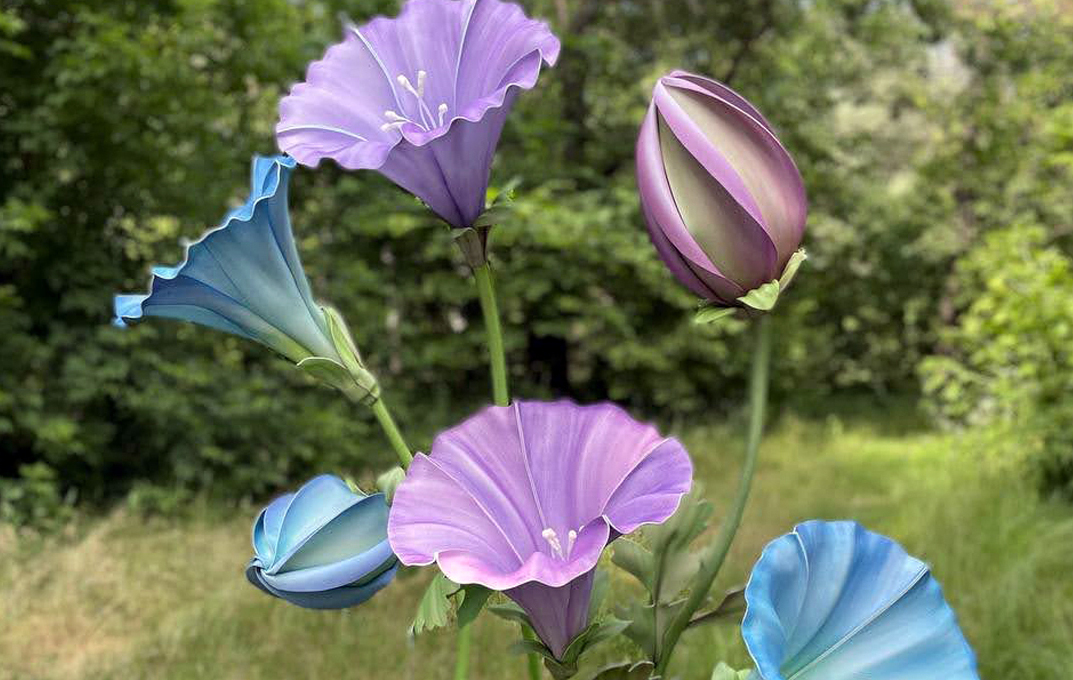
{"points": [[724, 202]]}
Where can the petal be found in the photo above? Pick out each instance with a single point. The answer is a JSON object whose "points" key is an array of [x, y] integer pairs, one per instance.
{"points": [[318, 502], [337, 598], [775, 192], [244, 276], [558, 614], [338, 111], [357, 530], [665, 225], [432, 513], [266, 528], [834, 601], [498, 37], [714, 203], [650, 493], [720, 90], [356, 568]]}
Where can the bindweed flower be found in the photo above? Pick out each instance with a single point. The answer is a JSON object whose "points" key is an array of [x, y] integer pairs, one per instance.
{"points": [[244, 277], [422, 98], [833, 601], [724, 202], [324, 547], [524, 498]]}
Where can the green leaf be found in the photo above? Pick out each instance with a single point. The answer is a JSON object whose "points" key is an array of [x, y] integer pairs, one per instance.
{"points": [[499, 213], [642, 670], [712, 314], [762, 298], [433, 610], [600, 586], [473, 598], [725, 672], [732, 605], [389, 481], [792, 265], [642, 628], [635, 559]]}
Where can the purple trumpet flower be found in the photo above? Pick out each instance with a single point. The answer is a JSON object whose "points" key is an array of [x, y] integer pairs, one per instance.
{"points": [[724, 202], [422, 98], [524, 498]]}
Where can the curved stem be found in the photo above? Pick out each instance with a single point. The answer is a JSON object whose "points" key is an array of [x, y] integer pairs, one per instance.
{"points": [[717, 552], [392, 432], [494, 333], [465, 636]]}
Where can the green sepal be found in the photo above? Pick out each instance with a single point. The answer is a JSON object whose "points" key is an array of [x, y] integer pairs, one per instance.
{"points": [[530, 647], [361, 387], [389, 481], [435, 606], [497, 214], [762, 298], [600, 585], [792, 265], [510, 612], [732, 605], [711, 314], [766, 295], [473, 242], [627, 670], [473, 598], [725, 672], [343, 342]]}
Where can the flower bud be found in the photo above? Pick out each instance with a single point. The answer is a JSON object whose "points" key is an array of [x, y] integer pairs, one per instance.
{"points": [[324, 547], [724, 202]]}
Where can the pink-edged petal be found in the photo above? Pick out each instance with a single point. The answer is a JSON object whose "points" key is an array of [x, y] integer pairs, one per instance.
{"points": [[431, 514], [665, 223], [498, 48], [650, 493], [339, 110], [774, 193], [466, 566]]}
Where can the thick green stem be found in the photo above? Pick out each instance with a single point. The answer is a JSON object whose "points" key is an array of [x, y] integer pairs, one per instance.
{"points": [[535, 671], [716, 554], [494, 332], [465, 637], [392, 432]]}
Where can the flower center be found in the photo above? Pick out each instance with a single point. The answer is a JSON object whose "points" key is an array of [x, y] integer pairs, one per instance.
{"points": [[556, 545], [426, 120]]}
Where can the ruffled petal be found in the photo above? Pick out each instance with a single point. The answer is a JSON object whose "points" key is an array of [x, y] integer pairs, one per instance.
{"points": [[243, 277], [833, 601]]}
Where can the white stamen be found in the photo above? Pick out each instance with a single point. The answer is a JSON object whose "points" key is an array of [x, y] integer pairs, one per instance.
{"points": [[393, 126], [571, 537], [553, 540], [393, 116], [406, 85], [443, 112], [422, 76]]}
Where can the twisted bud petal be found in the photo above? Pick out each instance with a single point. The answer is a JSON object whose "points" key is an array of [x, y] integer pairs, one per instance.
{"points": [[724, 203]]}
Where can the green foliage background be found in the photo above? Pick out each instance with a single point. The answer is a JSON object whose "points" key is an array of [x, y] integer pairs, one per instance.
{"points": [[936, 141]]}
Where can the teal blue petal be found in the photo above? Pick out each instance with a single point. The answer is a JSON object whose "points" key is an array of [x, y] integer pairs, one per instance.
{"points": [[833, 601], [243, 277]]}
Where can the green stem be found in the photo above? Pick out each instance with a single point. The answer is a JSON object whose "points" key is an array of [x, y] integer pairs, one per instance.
{"points": [[494, 332], [713, 561], [535, 672], [392, 432], [465, 637]]}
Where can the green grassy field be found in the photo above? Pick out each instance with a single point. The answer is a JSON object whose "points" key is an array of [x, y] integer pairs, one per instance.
{"points": [[128, 597]]}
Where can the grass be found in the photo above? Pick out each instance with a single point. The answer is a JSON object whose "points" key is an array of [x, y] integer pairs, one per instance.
{"points": [[127, 597]]}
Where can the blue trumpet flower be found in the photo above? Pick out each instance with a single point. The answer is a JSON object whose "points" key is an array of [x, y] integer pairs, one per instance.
{"points": [[244, 276], [834, 601], [324, 547]]}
